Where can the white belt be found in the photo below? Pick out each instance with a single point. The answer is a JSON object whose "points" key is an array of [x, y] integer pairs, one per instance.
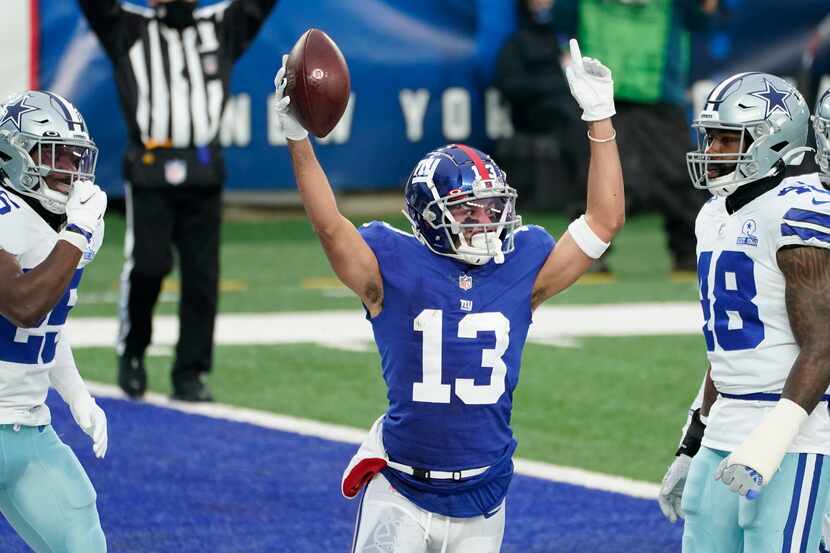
{"points": [[426, 474]]}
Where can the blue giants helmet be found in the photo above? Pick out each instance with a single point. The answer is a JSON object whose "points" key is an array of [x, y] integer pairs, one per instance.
{"points": [[449, 181]]}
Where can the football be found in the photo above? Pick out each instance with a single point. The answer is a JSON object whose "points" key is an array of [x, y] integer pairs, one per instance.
{"points": [[317, 82]]}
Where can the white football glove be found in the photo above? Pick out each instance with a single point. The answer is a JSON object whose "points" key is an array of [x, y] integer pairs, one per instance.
{"points": [[290, 126], [741, 479], [671, 490], [84, 211], [591, 85], [94, 245], [92, 421]]}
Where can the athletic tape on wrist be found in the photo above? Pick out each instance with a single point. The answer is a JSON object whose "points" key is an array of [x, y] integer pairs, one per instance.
{"points": [[586, 239], [766, 446], [76, 239]]}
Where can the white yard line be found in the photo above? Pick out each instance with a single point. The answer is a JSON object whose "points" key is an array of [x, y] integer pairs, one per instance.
{"points": [[350, 330], [338, 433]]}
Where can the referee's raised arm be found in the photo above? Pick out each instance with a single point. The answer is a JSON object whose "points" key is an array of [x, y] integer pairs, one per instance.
{"points": [[241, 22], [116, 27]]}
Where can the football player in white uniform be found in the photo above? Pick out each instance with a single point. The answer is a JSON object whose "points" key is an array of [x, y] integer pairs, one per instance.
{"points": [[753, 455], [821, 128], [51, 226]]}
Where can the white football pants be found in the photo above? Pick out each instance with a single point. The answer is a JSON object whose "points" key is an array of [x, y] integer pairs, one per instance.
{"points": [[387, 522]]}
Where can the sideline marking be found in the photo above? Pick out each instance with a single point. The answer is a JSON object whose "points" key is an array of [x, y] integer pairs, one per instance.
{"points": [[347, 434]]}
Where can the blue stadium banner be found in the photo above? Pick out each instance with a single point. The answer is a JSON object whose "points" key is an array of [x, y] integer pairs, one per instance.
{"points": [[420, 73]]}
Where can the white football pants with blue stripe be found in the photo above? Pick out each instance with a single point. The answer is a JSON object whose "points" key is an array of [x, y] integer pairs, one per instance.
{"points": [[388, 522], [785, 518], [45, 493]]}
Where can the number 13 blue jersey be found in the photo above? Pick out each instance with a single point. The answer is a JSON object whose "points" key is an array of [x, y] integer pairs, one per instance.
{"points": [[451, 336]]}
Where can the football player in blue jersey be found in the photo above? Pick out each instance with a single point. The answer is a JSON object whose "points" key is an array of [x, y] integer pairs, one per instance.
{"points": [[51, 226], [450, 306]]}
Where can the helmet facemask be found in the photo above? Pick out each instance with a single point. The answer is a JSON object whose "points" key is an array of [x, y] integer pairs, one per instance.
{"points": [[55, 166], [457, 215], [731, 169], [821, 128]]}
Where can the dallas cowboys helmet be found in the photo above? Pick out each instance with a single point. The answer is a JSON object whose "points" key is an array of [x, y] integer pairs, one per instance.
{"points": [[43, 135], [821, 126], [772, 118], [449, 180]]}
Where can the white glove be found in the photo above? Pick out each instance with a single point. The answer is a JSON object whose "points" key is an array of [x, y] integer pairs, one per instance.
{"points": [[94, 245], [84, 210], [671, 491], [591, 85], [290, 126], [93, 421]]}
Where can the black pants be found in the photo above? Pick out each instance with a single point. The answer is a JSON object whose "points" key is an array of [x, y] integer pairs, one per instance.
{"points": [[653, 142], [158, 220]]}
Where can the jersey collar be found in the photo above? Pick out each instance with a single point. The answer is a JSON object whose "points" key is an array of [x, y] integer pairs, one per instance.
{"points": [[748, 192]]}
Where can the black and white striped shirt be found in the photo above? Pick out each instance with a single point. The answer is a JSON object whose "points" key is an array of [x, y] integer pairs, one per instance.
{"points": [[173, 83]]}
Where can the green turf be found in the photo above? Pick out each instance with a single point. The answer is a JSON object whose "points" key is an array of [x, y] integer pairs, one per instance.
{"points": [[278, 265], [614, 405]]}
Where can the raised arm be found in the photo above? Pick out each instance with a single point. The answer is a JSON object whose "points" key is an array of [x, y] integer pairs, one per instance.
{"points": [[115, 27], [588, 237], [349, 255], [242, 21]]}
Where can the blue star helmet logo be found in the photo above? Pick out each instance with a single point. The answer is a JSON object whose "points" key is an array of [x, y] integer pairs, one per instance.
{"points": [[775, 99], [15, 110]]}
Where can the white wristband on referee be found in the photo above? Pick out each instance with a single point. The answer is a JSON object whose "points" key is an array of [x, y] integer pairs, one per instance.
{"points": [[765, 446], [77, 240], [586, 239]]}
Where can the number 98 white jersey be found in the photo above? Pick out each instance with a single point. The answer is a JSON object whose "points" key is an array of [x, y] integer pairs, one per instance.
{"points": [[750, 344]]}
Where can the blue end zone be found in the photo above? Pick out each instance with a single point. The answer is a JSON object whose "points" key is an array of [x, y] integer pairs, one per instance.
{"points": [[189, 484]]}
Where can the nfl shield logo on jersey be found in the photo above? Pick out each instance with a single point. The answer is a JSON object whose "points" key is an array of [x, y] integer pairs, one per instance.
{"points": [[748, 237], [175, 171], [465, 282]]}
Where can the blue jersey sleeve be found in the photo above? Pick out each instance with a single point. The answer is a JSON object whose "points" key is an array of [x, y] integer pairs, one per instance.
{"points": [[534, 244], [377, 236], [388, 243]]}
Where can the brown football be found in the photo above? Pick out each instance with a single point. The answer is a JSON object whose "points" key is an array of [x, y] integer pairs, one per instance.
{"points": [[317, 82]]}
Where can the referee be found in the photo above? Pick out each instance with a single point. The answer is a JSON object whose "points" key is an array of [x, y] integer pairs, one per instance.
{"points": [[172, 64]]}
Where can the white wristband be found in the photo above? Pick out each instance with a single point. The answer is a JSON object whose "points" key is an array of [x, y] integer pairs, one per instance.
{"points": [[586, 239], [765, 447], [74, 238]]}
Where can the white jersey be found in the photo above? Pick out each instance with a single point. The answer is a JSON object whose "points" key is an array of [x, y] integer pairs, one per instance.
{"points": [[27, 355], [750, 344]]}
